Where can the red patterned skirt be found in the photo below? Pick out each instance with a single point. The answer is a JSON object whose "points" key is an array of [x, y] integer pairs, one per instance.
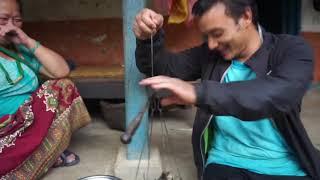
{"points": [[32, 139]]}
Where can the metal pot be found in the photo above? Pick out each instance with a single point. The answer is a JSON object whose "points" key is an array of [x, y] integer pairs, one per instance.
{"points": [[100, 177]]}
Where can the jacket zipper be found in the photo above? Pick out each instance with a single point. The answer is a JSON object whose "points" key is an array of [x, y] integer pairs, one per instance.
{"points": [[210, 118], [224, 74], [202, 156]]}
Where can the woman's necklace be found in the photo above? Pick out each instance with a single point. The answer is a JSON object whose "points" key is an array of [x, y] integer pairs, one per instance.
{"points": [[18, 63]]}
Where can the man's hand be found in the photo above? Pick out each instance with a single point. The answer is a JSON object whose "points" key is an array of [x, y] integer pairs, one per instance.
{"points": [[182, 92], [147, 23]]}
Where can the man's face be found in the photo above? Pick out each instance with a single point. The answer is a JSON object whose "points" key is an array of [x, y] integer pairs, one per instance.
{"points": [[222, 32]]}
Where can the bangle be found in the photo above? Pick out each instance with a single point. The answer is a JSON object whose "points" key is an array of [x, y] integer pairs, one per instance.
{"points": [[36, 46]]}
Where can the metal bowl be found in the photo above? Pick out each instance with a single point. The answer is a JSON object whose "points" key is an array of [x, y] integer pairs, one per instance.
{"points": [[100, 177]]}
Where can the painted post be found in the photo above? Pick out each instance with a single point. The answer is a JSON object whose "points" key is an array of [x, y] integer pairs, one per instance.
{"points": [[135, 96]]}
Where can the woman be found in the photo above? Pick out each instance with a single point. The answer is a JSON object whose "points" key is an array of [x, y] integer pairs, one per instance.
{"points": [[36, 122]]}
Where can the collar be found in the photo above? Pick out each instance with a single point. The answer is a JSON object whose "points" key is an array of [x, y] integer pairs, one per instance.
{"points": [[259, 61]]}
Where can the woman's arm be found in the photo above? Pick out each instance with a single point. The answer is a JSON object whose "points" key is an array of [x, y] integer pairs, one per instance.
{"points": [[53, 64]]}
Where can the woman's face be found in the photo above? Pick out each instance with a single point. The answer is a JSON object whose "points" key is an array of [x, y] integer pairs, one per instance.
{"points": [[9, 16]]}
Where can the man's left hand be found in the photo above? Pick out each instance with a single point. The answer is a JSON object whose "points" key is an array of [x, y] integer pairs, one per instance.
{"points": [[183, 93]]}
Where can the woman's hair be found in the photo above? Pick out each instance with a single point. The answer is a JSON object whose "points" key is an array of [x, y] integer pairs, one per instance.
{"points": [[20, 5], [234, 8]]}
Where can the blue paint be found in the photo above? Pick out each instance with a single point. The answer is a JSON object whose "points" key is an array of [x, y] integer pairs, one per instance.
{"points": [[136, 96]]}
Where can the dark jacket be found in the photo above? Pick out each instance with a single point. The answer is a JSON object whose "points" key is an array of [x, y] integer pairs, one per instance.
{"points": [[284, 69]]}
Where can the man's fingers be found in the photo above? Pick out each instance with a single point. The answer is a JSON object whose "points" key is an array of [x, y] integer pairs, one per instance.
{"points": [[167, 101], [152, 18], [183, 91], [148, 21], [164, 85], [160, 82], [170, 101], [158, 20], [154, 80], [144, 28]]}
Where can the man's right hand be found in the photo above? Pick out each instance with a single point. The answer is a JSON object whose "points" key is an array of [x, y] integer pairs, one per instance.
{"points": [[147, 23]]}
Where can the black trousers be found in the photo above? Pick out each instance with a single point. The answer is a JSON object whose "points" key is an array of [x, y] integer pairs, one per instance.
{"points": [[222, 172]]}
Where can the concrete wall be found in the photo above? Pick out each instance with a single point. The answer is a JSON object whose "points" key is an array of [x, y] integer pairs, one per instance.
{"points": [[310, 17], [48, 10], [89, 31], [36, 10], [310, 27]]}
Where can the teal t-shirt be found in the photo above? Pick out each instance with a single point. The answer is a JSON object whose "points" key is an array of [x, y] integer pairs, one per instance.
{"points": [[253, 145], [12, 96]]}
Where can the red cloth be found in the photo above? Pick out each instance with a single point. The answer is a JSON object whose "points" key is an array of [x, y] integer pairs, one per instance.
{"points": [[45, 109], [12, 156]]}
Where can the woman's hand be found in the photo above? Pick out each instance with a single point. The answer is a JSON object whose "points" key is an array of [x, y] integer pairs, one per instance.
{"points": [[54, 64], [15, 35]]}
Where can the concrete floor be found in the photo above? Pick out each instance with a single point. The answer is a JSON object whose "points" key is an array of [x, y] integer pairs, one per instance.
{"points": [[97, 144]]}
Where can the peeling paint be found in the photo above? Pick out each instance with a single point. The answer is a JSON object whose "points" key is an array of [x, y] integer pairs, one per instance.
{"points": [[104, 50], [63, 48], [98, 39]]}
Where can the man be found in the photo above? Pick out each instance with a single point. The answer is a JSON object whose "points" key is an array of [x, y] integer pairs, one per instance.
{"points": [[252, 82]]}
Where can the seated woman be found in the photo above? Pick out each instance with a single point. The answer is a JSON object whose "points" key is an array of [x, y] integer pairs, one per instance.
{"points": [[36, 121]]}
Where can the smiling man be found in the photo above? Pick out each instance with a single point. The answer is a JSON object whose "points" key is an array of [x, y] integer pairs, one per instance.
{"points": [[252, 82]]}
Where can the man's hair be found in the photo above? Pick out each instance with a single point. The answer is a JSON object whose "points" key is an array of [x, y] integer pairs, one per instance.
{"points": [[234, 8]]}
